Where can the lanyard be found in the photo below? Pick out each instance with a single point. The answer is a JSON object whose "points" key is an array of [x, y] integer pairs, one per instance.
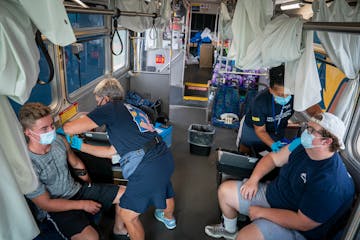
{"points": [[276, 125]]}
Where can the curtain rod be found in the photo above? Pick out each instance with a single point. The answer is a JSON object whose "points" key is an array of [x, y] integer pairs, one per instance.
{"points": [[344, 27], [71, 9]]}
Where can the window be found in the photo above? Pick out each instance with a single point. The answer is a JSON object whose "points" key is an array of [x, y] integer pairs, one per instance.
{"points": [[85, 66], [80, 20], [39, 93], [120, 61], [201, 21]]}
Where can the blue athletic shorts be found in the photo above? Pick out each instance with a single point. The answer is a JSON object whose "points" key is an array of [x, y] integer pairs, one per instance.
{"points": [[249, 138], [150, 183]]}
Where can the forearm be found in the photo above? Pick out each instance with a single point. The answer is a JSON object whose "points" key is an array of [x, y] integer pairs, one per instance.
{"points": [[98, 151], [287, 218], [264, 137], [79, 125], [265, 165], [61, 205]]}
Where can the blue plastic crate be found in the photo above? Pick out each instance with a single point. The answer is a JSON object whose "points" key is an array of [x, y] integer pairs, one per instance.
{"points": [[165, 132]]}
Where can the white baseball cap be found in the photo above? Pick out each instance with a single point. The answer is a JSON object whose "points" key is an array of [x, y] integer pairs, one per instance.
{"points": [[334, 125]]}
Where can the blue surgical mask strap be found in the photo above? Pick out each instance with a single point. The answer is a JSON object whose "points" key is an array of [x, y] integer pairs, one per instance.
{"points": [[276, 124]]}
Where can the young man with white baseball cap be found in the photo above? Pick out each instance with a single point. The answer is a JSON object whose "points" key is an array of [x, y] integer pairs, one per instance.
{"points": [[312, 191]]}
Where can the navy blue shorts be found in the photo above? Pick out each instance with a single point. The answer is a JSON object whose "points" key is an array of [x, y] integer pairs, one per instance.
{"points": [[72, 222], [150, 183], [249, 138]]}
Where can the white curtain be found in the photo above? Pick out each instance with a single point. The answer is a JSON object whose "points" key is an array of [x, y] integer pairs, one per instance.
{"points": [[224, 23], [17, 178], [19, 56], [302, 78], [19, 71], [51, 19], [282, 41], [352, 91], [342, 48], [249, 20], [140, 24]]}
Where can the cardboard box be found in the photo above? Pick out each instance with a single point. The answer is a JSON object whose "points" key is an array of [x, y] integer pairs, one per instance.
{"points": [[206, 55]]}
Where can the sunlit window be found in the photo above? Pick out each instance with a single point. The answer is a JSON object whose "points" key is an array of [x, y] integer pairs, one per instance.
{"points": [[119, 61], [84, 66], [81, 20]]}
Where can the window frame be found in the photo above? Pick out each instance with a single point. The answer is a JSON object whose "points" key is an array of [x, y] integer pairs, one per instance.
{"points": [[124, 68]]}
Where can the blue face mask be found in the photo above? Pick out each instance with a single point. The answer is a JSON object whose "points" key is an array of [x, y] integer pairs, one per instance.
{"points": [[307, 139], [281, 100], [47, 138]]}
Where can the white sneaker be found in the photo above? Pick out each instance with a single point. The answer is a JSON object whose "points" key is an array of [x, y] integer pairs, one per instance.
{"points": [[218, 231]]}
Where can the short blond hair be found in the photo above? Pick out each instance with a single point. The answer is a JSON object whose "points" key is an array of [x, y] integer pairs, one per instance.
{"points": [[109, 87], [31, 112]]}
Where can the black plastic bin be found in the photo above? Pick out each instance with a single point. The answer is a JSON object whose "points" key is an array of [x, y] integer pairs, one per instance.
{"points": [[200, 138], [200, 150]]}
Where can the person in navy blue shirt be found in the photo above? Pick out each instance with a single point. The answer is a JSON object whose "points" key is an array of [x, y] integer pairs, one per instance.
{"points": [[312, 191], [144, 158], [264, 124]]}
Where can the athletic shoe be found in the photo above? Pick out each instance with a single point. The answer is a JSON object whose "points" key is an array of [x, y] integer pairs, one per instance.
{"points": [[218, 231], [169, 223]]}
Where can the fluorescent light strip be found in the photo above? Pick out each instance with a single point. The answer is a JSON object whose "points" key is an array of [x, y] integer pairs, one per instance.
{"points": [[291, 6]]}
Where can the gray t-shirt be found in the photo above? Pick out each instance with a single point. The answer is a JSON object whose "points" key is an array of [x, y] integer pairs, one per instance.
{"points": [[53, 172]]}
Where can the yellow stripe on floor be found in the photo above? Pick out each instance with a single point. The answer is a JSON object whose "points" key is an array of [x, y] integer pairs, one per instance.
{"points": [[190, 84], [194, 98]]}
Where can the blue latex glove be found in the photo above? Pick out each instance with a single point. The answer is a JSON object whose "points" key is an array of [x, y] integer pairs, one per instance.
{"points": [[294, 144], [60, 131], [276, 146], [75, 142]]}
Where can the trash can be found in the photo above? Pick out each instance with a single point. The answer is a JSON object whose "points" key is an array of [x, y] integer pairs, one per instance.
{"points": [[200, 138]]}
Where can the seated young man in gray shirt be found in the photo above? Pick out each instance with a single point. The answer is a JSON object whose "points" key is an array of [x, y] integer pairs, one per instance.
{"points": [[67, 202]]}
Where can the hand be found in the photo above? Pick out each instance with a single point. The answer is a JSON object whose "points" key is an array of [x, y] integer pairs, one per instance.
{"points": [[255, 212], [249, 189], [276, 146], [60, 131], [75, 142], [90, 206], [294, 144]]}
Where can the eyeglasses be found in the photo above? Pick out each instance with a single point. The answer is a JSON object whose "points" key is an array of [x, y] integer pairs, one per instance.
{"points": [[310, 129]]}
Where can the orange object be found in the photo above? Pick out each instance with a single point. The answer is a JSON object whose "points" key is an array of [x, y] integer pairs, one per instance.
{"points": [[159, 59]]}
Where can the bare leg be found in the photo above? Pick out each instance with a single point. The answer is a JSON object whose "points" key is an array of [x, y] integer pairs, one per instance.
{"points": [[88, 233], [250, 232], [133, 224], [169, 210], [119, 227], [228, 199]]}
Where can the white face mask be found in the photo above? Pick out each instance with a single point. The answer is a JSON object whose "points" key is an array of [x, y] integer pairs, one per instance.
{"points": [[46, 138]]}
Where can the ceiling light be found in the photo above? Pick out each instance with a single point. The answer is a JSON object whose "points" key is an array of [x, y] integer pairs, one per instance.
{"points": [[291, 5], [79, 2]]}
